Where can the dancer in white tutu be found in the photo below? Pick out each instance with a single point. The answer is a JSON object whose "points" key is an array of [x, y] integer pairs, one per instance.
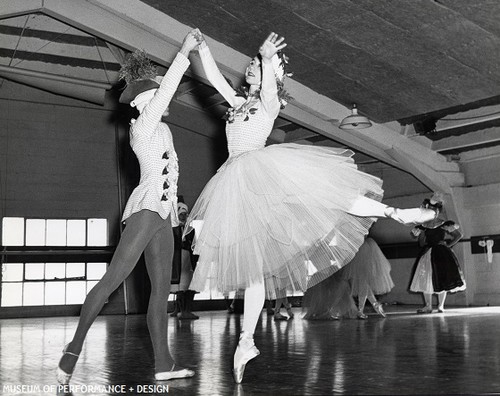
{"points": [[331, 299], [366, 276], [270, 209], [369, 274]]}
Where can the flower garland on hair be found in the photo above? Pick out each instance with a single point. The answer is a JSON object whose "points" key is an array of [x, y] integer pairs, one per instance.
{"points": [[283, 96], [246, 109]]}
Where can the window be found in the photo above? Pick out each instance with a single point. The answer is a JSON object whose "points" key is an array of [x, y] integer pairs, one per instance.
{"points": [[35, 282]]}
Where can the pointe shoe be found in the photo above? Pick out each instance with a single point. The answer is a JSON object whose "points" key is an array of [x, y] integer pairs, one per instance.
{"points": [[410, 216], [62, 376], [424, 310], [278, 316], [245, 351], [441, 309], [174, 374], [361, 315], [378, 308], [289, 312]]}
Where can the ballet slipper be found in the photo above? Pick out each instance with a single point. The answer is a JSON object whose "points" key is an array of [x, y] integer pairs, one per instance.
{"points": [[63, 377], [279, 316], [378, 308], [361, 315], [174, 374], [424, 310], [410, 216], [245, 351]]}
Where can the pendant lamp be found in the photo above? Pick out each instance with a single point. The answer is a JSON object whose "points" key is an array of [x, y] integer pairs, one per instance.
{"points": [[355, 121]]}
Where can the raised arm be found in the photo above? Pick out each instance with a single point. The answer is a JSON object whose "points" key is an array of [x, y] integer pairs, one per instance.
{"points": [[269, 91], [154, 110], [214, 75]]}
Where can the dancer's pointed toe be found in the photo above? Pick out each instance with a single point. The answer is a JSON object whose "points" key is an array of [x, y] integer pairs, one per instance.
{"points": [[174, 374], [278, 316], [361, 315], [245, 351], [424, 310], [239, 367], [411, 216], [378, 308], [62, 376]]}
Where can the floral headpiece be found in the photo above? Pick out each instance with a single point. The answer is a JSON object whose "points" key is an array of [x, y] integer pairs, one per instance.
{"points": [[280, 62]]}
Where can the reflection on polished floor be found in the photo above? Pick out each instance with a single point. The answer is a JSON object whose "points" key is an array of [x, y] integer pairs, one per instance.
{"points": [[456, 352]]}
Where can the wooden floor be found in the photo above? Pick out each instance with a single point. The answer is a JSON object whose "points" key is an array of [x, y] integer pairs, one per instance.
{"points": [[456, 352]]}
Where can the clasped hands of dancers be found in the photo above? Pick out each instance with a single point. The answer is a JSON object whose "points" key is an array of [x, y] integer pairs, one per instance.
{"points": [[319, 201]]}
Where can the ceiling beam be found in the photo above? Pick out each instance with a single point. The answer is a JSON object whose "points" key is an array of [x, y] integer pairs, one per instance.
{"points": [[469, 141], [299, 134], [12, 8]]}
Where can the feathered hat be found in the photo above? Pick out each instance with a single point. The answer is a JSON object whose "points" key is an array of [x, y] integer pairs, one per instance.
{"points": [[139, 74]]}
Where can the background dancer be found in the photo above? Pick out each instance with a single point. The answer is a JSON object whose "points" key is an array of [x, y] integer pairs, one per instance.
{"points": [[437, 270]]}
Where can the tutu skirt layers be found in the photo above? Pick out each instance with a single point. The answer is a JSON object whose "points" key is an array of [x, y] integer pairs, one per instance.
{"points": [[369, 270], [331, 298], [279, 215]]}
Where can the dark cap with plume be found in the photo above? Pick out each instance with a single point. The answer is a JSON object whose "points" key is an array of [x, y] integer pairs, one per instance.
{"points": [[140, 75]]}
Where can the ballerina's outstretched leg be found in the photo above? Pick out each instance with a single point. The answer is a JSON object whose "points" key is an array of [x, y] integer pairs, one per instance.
{"points": [[367, 207]]}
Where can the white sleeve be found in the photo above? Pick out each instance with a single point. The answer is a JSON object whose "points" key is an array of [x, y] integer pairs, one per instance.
{"points": [[147, 122], [215, 76], [269, 91]]}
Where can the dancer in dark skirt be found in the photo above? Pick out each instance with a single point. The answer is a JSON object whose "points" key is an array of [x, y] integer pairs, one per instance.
{"points": [[437, 270]]}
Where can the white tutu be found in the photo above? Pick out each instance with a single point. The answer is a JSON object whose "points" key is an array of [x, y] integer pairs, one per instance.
{"points": [[369, 269], [330, 298], [268, 212]]}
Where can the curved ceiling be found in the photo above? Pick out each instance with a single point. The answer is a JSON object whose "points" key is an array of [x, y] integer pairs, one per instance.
{"points": [[426, 72]]}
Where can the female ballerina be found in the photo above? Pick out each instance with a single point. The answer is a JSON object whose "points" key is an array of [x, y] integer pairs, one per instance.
{"points": [[437, 270], [269, 210], [369, 275], [150, 213], [331, 299]]}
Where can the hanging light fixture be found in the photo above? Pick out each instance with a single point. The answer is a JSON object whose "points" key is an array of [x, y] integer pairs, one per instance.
{"points": [[355, 121]]}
